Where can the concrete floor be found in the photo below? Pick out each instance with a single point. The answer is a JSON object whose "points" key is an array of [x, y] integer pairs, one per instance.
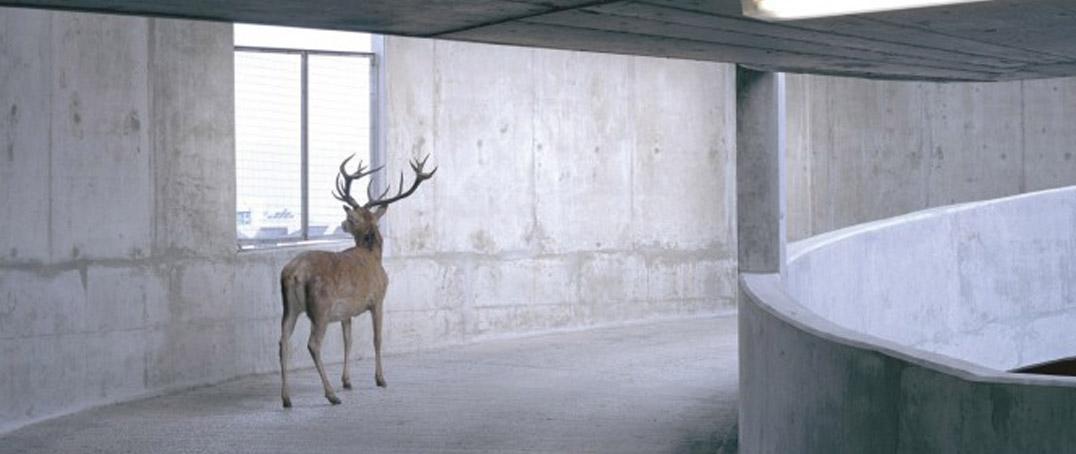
{"points": [[667, 386]]}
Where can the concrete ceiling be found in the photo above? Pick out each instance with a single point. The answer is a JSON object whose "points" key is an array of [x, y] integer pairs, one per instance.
{"points": [[995, 40]]}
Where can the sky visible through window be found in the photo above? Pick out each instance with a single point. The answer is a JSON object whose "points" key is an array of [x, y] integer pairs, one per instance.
{"points": [[269, 127]]}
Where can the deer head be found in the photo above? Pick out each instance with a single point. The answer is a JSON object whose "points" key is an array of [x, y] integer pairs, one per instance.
{"points": [[362, 220]]}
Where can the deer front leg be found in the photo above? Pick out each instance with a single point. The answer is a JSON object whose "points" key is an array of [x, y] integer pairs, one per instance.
{"points": [[346, 325], [379, 376], [317, 333]]}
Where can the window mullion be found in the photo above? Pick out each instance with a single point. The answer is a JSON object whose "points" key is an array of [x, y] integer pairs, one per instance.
{"points": [[304, 147], [377, 158]]}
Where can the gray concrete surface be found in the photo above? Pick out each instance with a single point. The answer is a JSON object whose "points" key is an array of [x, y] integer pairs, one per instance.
{"points": [[506, 238], [658, 387], [988, 282], [900, 147], [895, 336], [116, 193], [814, 387], [984, 41], [760, 171]]}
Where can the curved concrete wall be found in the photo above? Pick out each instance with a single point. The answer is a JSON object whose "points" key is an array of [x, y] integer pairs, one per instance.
{"points": [[989, 282], [893, 336]]}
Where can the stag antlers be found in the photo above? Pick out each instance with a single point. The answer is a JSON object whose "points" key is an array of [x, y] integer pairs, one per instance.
{"points": [[344, 180]]}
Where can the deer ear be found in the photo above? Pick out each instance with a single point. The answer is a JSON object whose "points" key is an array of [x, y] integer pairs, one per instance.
{"points": [[346, 208], [380, 211]]}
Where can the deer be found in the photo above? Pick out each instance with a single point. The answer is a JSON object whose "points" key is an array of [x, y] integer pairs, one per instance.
{"points": [[337, 286]]}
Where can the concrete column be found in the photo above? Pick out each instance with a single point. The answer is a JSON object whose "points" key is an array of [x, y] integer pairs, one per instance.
{"points": [[760, 170], [193, 131], [760, 225]]}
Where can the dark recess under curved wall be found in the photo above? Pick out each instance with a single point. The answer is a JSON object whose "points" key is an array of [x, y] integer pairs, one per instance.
{"points": [[1063, 367]]}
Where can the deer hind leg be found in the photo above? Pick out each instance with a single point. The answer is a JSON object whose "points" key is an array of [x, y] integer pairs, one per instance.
{"points": [[346, 325], [287, 326], [317, 334], [379, 375]]}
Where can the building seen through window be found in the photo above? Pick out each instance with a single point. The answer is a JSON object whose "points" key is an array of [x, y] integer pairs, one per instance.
{"points": [[303, 103]]}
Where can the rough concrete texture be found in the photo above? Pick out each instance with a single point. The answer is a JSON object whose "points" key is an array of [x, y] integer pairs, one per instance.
{"points": [[98, 102], [195, 189], [760, 171], [810, 386], [987, 282], [862, 150], [573, 188], [94, 305], [646, 388], [24, 83], [119, 275], [895, 336]]}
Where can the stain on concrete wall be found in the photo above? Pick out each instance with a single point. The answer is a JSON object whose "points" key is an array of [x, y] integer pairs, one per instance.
{"points": [[574, 188]]}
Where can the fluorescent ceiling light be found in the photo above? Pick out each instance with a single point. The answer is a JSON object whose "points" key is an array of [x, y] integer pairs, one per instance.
{"points": [[803, 9]]}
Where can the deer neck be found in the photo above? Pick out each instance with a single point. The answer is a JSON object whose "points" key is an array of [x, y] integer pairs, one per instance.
{"points": [[368, 244]]}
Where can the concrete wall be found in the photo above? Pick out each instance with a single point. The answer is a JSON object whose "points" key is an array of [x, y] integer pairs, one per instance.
{"points": [[894, 336], [861, 150], [116, 201], [810, 386], [574, 190]]}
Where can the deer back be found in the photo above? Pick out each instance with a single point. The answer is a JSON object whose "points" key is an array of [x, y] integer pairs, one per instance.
{"points": [[336, 285]]}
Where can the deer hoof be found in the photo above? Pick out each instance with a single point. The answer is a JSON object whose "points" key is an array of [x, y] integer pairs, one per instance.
{"points": [[381, 383], [347, 384], [287, 402], [333, 400]]}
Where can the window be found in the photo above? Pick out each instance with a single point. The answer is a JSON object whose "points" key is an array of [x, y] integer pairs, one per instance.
{"points": [[304, 101]]}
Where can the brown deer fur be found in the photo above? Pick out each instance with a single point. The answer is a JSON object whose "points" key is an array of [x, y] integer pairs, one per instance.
{"points": [[336, 286]]}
